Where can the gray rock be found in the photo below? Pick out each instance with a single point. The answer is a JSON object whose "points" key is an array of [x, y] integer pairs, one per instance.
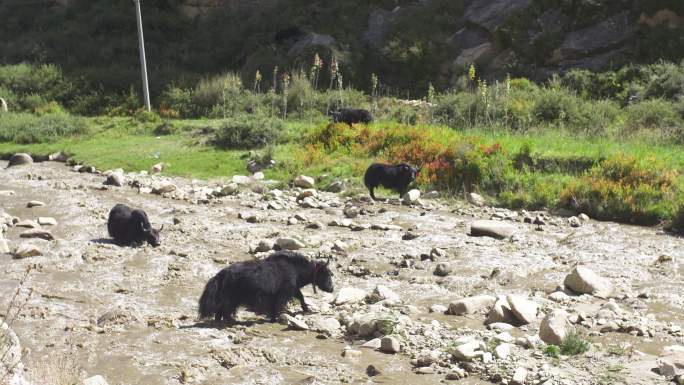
{"points": [[574, 222], [164, 189], [585, 281], [491, 14], [4, 247], [494, 229], [671, 362], [58, 157], [47, 221], [559, 296], [35, 204], [304, 181], [390, 344], [372, 344], [336, 187], [350, 295], [306, 193], [384, 293], [38, 233], [440, 309], [28, 223], [95, 380], [443, 269], [294, 322], [340, 246], [476, 199], [249, 217], [468, 351], [583, 217], [431, 195], [26, 250], [411, 196], [525, 311], [471, 305], [553, 327], [351, 211], [264, 245], [20, 159], [229, 189], [501, 313], [289, 244], [157, 168], [115, 180], [241, 180], [519, 376]]}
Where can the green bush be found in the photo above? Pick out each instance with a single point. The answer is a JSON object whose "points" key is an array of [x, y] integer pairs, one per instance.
{"points": [[574, 343], [247, 132], [225, 91], [26, 128], [654, 114], [557, 105], [30, 86], [666, 80], [178, 99]]}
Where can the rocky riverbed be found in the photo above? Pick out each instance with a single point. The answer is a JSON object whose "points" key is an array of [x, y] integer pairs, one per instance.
{"points": [[419, 297]]}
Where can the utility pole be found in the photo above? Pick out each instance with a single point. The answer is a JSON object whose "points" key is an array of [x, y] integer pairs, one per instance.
{"points": [[143, 64]]}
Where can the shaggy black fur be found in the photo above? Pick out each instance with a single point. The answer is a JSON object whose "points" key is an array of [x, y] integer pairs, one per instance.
{"points": [[264, 286], [131, 227], [351, 116], [395, 177]]}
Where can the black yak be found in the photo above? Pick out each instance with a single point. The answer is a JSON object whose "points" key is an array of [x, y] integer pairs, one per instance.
{"points": [[351, 116], [131, 227], [394, 177], [263, 286]]}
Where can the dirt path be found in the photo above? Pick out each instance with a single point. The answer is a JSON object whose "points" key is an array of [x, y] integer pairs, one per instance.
{"points": [[130, 314]]}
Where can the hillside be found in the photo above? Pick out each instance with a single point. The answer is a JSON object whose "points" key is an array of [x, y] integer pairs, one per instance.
{"points": [[408, 44]]}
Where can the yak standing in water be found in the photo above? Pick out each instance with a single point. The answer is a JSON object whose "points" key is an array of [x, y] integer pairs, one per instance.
{"points": [[131, 227], [394, 177], [264, 286]]}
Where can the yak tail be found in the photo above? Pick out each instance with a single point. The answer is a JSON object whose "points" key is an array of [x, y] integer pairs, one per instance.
{"points": [[208, 304]]}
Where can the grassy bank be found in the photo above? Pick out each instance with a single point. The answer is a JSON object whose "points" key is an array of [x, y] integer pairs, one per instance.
{"points": [[626, 180]]}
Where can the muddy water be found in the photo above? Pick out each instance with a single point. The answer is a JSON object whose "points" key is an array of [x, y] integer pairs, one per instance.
{"points": [[145, 298]]}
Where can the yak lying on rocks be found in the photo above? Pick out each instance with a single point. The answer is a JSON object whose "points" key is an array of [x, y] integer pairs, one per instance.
{"points": [[131, 227], [394, 177], [263, 286], [351, 116]]}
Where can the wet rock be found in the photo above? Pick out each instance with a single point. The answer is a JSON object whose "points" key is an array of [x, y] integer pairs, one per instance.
{"points": [[437, 253], [489, 228], [38, 233], [502, 351], [476, 199], [574, 222], [35, 204], [501, 313], [289, 244], [20, 159], [304, 181], [443, 269], [468, 351], [229, 189], [4, 247], [340, 246], [372, 371], [350, 295], [471, 305], [264, 245], [335, 187], [390, 344], [115, 179], [340, 223], [27, 250], [583, 217], [525, 311], [585, 281], [351, 211], [371, 344], [671, 362], [164, 189], [241, 180], [439, 309], [501, 326], [519, 376], [47, 221], [456, 374], [294, 322], [28, 223], [351, 353], [409, 236], [326, 325], [554, 327], [249, 217], [411, 196], [95, 380], [315, 225]]}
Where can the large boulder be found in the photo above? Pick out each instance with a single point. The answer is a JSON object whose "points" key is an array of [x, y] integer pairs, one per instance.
{"points": [[489, 228], [471, 305], [304, 181], [584, 281], [501, 313], [597, 38], [350, 295], [525, 310], [491, 14], [553, 327], [671, 362], [20, 159]]}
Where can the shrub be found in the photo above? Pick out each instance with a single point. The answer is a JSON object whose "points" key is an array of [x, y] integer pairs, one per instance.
{"points": [[556, 105], [26, 128], [178, 99], [246, 132], [655, 114], [25, 82], [626, 189], [574, 343], [666, 80], [225, 91]]}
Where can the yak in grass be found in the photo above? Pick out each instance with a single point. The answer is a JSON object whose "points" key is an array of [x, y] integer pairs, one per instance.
{"points": [[394, 177], [351, 116], [262, 286], [131, 227]]}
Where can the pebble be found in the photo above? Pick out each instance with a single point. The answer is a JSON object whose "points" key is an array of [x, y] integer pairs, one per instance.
{"points": [[390, 344], [35, 204]]}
